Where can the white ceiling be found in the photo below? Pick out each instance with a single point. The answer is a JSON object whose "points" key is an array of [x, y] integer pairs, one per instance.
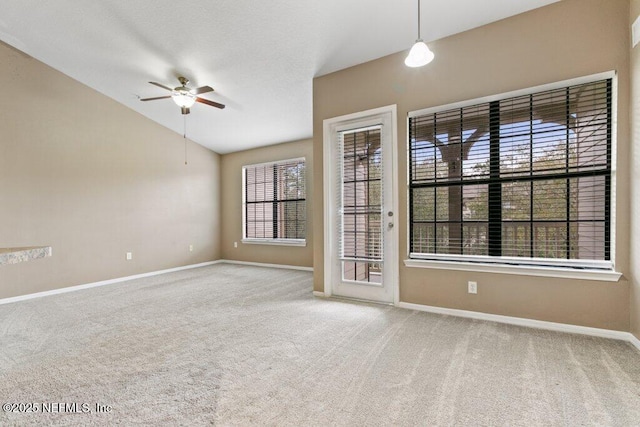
{"points": [[260, 56]]}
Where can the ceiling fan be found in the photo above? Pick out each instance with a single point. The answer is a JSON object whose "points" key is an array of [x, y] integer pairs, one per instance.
{"points": [[185, 97]]}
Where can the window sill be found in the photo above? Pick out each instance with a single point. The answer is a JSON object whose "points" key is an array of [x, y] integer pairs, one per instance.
{"points": [[523, 270], [276, 242]]}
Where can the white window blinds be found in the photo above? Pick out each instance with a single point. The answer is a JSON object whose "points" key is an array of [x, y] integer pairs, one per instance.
{"points": [[275, 200], [360, 195]]}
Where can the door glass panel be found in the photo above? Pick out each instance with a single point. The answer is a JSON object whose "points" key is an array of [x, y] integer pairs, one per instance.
{"points": [[361, 206]]}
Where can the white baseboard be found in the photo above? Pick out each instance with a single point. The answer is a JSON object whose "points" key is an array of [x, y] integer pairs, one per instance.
{"points": [[103, 283], [319, 294], [635, 341], [530, 323], [259, 264]]}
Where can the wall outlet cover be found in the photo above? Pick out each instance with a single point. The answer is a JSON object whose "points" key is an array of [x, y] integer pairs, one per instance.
{"points": [[472, 287]]}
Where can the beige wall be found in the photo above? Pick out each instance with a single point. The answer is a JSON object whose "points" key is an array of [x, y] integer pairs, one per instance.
{"points": [[94, 180], [569, 39], [232, 206], [635, 179]]}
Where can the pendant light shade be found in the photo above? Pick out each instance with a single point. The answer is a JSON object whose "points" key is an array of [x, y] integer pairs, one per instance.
{"points": [[420, 54]]}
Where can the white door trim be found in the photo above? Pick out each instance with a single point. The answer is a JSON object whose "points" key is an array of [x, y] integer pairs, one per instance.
{"points": [[330, 215]]}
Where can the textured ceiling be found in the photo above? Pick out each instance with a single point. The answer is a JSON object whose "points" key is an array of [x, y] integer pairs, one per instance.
{"points": [[260, 56]]}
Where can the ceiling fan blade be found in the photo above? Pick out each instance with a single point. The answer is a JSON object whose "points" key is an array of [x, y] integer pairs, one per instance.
{"points": [[162, 86], [206, 101], [202, 89], [157, 97]]}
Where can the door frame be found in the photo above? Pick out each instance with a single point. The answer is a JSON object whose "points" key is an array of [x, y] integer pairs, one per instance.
{"points": [[329, 178]]}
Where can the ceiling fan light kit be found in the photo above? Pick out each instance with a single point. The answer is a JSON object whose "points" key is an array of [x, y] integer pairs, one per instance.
{"points": [[185, 97], [420, 54]]}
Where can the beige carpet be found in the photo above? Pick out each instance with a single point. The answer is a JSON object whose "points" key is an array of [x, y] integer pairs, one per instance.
{"points": [[236, 345]]}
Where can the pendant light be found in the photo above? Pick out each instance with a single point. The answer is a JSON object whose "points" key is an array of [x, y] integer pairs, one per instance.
{"points": [[419, 55]]}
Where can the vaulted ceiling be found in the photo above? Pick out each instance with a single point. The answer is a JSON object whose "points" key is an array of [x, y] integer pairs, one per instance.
{"points": [[260, 56]]}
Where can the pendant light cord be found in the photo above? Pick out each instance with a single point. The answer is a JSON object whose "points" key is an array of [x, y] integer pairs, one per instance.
{"points": [[419, 38]]}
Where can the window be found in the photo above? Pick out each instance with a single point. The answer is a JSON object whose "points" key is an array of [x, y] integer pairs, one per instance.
{"points": [[520, 180], [274, 202], [361, 242]]}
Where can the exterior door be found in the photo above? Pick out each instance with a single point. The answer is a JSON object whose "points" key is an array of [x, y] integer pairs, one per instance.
{"points": [[360, 206]]}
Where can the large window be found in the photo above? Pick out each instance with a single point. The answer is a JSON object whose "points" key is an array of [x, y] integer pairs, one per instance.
{"points": [[274, 202], [523, 180]]}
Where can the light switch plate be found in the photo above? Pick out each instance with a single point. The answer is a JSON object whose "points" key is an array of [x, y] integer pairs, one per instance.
{"points": [[635, 32]]}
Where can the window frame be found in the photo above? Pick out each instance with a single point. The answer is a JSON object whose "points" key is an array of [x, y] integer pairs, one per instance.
{"points": [[266, 240], [584, 269]]}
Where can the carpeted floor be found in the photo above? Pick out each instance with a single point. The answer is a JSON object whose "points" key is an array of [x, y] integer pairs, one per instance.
{"points": [[237, 345]]}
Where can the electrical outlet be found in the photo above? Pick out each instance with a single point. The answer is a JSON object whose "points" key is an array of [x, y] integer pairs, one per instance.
{"points": [[129, 256], [473, 287], [235, 244], [190, 248]]}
